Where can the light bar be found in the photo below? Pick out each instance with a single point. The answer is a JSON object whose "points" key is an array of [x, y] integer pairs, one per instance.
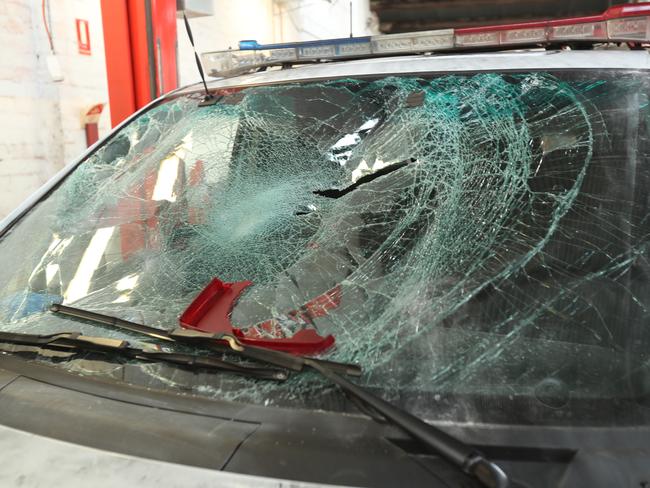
{"points": [[425, 41], [252, 55], [623, 23]]}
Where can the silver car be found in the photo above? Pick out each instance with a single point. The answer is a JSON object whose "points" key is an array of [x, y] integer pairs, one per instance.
{"points": [[470, 229]]}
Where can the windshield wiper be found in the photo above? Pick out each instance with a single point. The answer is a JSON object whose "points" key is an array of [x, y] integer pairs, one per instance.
{"points": [[457, 452], [222, 343], [76, 342], [466, 457]]}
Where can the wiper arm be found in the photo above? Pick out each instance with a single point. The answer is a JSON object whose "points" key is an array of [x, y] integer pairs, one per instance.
{"points": [[454, 450], [217, 342], [76, 342]]}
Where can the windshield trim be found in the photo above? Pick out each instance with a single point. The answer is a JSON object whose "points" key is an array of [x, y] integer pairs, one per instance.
{"points": [[441, 64]]}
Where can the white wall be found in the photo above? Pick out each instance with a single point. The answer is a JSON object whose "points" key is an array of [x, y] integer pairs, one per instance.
{"points": [[40, 120], [306, 20], [232, 21]]}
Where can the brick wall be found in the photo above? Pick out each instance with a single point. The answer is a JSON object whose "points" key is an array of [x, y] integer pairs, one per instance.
{"points": [[41, 126]]}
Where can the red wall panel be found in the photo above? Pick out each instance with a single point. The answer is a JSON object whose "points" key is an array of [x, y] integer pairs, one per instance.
{"points": [[119, 66], [140, 45], [140, 52]]}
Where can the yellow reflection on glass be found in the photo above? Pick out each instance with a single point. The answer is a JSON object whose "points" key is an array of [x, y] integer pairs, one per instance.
{"points": [[168, 172], [50, 272], [80, 284], [127, 283], [361, 170]]}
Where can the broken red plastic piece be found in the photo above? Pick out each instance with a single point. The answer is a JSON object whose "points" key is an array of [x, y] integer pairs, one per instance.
{"points": [[210, 312]]}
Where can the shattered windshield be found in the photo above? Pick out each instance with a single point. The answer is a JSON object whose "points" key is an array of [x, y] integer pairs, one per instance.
{"points": [[477, 243]]}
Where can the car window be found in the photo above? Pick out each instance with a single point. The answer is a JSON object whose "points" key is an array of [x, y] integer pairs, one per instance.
{"points": [[477, 242]]}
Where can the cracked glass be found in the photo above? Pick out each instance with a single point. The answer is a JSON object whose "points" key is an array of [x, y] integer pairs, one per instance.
{"points": [[480, 241]]}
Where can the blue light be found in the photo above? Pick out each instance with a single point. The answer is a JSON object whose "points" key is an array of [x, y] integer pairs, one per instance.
{"points": [[249, 44]]}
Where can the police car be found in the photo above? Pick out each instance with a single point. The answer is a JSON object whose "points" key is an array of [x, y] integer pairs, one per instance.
{"points": [[413, 259]]}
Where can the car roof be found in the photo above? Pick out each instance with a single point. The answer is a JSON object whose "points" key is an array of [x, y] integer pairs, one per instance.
{"points": [[531, 60]]}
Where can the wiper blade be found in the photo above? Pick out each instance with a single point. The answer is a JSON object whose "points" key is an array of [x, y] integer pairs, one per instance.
{"points": [[102, 319], [467, 458], [218, 342], [69, 340], [201, 362], [76, 342]]}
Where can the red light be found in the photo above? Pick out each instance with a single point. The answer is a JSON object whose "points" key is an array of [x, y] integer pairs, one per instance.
{"points": [[629, 29], [618, 24], [585, 30], [627, 10]]}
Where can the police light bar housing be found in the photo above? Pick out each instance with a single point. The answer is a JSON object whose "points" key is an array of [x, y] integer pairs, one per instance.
{"points": [[629, 23]]}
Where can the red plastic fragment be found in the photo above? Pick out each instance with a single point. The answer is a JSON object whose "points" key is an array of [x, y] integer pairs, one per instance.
{"points": [[210, 312]]}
